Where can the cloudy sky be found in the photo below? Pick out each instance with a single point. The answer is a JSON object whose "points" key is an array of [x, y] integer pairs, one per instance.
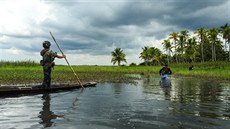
{"points": [[89, 30]]}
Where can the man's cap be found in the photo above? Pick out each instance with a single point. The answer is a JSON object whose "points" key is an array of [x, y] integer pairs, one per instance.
{"points": [[46, 44]]}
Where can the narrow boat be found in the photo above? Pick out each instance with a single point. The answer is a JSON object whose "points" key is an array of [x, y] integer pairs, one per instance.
{"points": [[21, 90]]}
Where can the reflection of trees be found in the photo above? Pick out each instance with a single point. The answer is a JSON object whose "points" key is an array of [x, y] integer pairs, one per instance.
{"points": [[192, 96], [117, 88], [209, 91], [205, 93], [46, 114], [193, 90], [150, 84], [166, 88], [167, 92], [154, 85], [210, 97], [185, 90]]}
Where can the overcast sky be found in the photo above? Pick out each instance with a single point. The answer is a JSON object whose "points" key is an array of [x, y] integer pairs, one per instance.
{"points": [[89, 30]]}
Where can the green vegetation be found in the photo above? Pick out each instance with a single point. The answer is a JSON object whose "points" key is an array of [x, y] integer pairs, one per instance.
{"points": [[203, 45], [118, 56], [31, 72], [218, 70]]}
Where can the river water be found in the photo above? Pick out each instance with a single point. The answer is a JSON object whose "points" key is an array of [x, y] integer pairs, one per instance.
{"points": [[187, 104]]}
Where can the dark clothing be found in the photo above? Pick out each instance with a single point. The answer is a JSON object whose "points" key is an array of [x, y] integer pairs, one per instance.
{"points": [[47, 78], [48, 57], [190, 67], [165, 70]]}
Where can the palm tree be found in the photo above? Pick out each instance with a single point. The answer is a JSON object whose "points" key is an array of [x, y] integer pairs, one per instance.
{"points": [[145, 55], [183, 37], [151, 55], [118, 56], [190, 51], [224, 34], [156, 55], [201, 32], [225, 30], [213, 32], [174, 37], [168, 47]]}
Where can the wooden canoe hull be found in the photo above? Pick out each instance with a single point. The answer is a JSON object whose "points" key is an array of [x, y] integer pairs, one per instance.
{"points": [[37, 89]]}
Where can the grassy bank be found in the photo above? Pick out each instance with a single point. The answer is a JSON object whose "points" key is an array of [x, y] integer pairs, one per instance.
{"points": [[31, 72], [207, 70]]}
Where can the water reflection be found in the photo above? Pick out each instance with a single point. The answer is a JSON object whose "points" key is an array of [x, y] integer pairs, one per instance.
{"points": [[166, 87], [187, 103], [167, 92], [117, 88], [192, 96], [165, 82], [46, 114]]}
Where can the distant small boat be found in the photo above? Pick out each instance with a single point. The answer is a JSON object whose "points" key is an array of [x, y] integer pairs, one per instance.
{"points": [[20, 90]]}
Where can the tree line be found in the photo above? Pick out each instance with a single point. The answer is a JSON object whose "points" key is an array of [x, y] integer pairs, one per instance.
{"points": [[185, 47]]}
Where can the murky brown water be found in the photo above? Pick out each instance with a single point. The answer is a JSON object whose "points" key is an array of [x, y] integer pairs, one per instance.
{"points": [[188, 103]]}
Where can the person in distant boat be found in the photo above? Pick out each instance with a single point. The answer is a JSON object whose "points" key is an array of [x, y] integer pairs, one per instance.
{"points": [[165, 71], [47, 62]]}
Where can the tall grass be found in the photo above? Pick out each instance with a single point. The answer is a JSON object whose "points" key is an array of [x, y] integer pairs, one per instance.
{"points": [[208, 70], [30, 71], [28, 63]]}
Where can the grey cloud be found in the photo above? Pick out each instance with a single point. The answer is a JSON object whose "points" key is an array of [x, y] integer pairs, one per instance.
{"points": [[187, 6], [133, 13], [95, 27], [187, 14]]}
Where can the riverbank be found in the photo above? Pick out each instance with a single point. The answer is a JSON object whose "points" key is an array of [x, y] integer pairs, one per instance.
{"points": [[31, 72], [219, 71]]}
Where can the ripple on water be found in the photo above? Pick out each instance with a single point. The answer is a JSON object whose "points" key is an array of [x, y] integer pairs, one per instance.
{"points": [[186, 104]]}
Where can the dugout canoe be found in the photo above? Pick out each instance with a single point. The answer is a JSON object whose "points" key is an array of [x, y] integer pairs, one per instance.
{"points": [[21, 90]]}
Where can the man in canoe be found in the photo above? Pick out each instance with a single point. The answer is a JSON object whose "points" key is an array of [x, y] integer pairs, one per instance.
{"points": [[165, 71], [47, 62]]}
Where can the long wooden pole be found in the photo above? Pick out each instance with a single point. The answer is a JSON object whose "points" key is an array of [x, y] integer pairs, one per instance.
{"points": [[67, 61]]}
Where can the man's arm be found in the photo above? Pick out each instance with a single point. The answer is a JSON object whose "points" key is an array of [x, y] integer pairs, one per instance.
{"points": [[61, 56], [160, 72], [170, 71]]}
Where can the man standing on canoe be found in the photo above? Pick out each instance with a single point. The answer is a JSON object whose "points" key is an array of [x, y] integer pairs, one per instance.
{"points": [[47, 62]]}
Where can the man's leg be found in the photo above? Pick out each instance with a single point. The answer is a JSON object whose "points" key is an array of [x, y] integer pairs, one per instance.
{"points": [[47, 78]]}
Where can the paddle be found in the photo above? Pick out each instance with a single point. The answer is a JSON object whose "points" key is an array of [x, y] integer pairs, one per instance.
{"points": [[67, 61]]}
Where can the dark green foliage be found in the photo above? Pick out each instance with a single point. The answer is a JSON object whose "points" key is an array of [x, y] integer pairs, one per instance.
{"points": [[18, 63]]}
